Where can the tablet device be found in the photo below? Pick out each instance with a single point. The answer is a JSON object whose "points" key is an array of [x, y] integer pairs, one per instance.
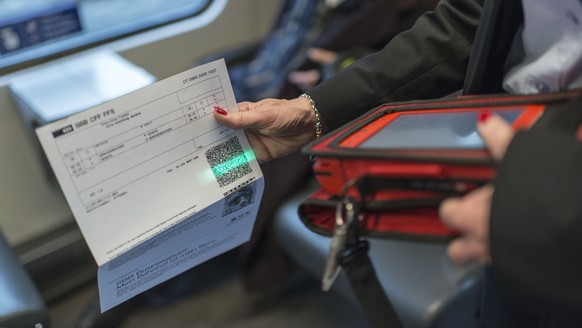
{"points": [[399, 161], [414, 142], [448, 135]]}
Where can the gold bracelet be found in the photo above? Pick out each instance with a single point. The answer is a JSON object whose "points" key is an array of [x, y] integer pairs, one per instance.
{"points": [[318, 124]]}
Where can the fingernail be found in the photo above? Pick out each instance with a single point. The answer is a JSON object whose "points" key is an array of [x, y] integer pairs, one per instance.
{"points": [[484, 116], [220, 110]]}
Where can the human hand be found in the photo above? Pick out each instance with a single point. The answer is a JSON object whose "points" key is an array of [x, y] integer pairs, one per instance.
{"points": [[306, 80], [469, 215], [274, 127]]}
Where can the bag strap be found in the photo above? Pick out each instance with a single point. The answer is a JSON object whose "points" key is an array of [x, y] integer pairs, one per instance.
{"points": [[355, 260], [360, 271]]}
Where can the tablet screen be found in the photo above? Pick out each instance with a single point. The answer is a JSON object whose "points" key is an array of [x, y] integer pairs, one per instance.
{"points": [[450, 130]]}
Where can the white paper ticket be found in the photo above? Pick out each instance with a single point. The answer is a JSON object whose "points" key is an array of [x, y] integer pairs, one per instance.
{"points": [[156, 185]]}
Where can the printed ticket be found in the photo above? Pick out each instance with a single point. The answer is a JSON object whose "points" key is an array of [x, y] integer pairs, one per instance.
{"points": [[156, 184]]}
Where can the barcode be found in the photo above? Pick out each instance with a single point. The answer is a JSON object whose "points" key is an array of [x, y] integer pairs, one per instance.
{"points": [[228, 161]]}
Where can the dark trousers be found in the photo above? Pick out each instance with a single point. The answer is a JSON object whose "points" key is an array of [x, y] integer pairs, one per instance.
{"points": [[503, 309]]}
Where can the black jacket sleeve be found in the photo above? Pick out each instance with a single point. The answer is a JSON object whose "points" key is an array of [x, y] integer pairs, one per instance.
{"points": [[427, 61], [536, 217]]}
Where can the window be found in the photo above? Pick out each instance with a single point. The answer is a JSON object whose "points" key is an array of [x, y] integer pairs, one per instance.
{"points": [[33, 29]]}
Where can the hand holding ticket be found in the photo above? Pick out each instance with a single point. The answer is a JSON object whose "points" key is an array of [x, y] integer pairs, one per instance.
{"points": [[156, 185]]}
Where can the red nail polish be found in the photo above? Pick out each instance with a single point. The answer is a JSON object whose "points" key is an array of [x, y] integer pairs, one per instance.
{"points": [[484, 116], [220, 110]]}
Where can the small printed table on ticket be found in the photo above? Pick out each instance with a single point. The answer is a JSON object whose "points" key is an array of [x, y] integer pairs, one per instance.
{"points": [[156, 185]]}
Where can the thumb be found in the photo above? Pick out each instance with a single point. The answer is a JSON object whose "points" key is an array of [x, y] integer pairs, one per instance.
{"points": [[496, 133], [243, 119]]}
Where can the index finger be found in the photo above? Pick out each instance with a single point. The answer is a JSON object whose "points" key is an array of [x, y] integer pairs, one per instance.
{"points": [[496, 133], [469, 213]]}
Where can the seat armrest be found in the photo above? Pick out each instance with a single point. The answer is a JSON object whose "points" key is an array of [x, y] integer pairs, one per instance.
{"points": [[20, 302]]}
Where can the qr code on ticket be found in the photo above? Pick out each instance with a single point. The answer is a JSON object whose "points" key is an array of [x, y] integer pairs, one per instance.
{"points": [[228, 162]]}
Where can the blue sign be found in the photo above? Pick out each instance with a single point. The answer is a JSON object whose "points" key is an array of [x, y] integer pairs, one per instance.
{"points": [[36, 28]]}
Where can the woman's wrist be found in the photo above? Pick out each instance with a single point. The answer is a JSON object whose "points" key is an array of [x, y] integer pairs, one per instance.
{"points": [[317, 125]]}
